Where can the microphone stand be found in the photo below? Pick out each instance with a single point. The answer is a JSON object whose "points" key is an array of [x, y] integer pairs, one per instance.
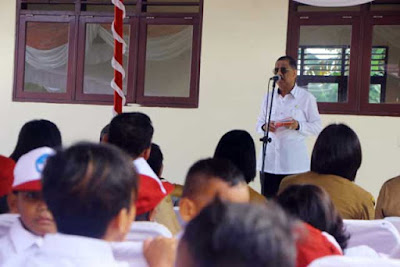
{"points": [[266, 139]]}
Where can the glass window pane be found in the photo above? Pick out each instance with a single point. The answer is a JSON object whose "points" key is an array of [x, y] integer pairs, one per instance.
{"points": [[51, 7], [324, 92], [168, 60], [385, 65], [384, 7], [323, 56], [173, 9], [99, 51], [46, 57], [107, 7], [374, 93], [306, 8]]}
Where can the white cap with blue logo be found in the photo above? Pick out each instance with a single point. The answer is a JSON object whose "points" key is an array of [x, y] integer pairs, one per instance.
{"points": [[28, 170]]}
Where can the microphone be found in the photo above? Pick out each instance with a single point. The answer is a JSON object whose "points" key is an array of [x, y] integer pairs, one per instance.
{"points": [[275, 78]]}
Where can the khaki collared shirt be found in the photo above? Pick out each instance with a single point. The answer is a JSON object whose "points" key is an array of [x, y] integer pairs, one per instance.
{"points": [[389, 199], [350, 200]]}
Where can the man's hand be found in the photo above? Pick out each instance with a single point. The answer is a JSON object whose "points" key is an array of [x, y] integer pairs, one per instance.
{"points": [[160, 251], [272, 127], [294, 125]]}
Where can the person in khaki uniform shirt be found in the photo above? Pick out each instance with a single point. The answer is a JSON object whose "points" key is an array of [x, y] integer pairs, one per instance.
{"points": [[238, 147], [388, 203], [335, 161], [164, 212]]}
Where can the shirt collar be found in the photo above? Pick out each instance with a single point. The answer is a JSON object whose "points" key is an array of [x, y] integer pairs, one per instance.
{"points": [[144, 168], [22, 239], [77, 247], [294, 92]]}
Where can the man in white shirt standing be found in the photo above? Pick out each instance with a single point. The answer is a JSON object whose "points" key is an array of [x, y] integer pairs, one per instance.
{"points": [[25, 235], [294, 116]]}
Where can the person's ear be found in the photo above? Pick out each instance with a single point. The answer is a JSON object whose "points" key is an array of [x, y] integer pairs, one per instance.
{"points": [[146, 153], [187, 209], [120, 225], [104, 138], [12, 203]]}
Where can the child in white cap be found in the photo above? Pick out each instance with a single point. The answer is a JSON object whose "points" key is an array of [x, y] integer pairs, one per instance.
{"points": [[26, 233]]}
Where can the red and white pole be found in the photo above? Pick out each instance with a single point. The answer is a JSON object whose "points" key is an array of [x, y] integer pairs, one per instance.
{"points": [[117, 29]]}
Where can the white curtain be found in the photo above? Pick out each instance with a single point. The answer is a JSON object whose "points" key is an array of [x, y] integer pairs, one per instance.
{"points": [[158, 48], [48, 67], [333, 3]]}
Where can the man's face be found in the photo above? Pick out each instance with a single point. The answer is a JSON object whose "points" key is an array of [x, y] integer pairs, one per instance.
{"points": [[34, 213], [286, 72], [216, 187]]}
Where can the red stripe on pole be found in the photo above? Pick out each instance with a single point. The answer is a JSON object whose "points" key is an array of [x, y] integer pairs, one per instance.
{"points": [[118, 54]]}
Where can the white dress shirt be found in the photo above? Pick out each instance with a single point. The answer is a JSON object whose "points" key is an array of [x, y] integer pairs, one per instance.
{"points": [[18, 241], [69, 250], [130, 252], [287, 153]]}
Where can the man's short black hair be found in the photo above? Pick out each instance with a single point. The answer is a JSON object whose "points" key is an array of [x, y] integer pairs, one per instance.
{"points": [[156, 159], [291, 60], [337, 151], [132, 132], [86, 186], [238, 147], [204, 170], [233, 234]]}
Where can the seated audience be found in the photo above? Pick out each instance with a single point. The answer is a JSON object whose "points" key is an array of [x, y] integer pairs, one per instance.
{"points": [[91, 191], [207, 179], [312, 205], [133, 132], [26, 234], [335, 161], [6, 181], [34, 134], [388, 204], [240, 235], [155, 161], [238, 147]]}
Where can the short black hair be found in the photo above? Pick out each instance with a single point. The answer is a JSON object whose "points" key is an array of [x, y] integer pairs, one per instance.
{"points": [[86, 186], [291, 60], [313, 205], [35, 134], [156, 159], [132, 132], [238, 147], [233, 234], [204, 170], [337, 151]]}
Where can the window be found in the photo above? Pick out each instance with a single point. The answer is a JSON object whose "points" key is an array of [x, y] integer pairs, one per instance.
{"points": [[348, 58], [324, 71], [64, 50]]}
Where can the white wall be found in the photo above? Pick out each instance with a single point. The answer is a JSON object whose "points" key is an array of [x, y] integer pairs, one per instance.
{"points": [[240, 45]]}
